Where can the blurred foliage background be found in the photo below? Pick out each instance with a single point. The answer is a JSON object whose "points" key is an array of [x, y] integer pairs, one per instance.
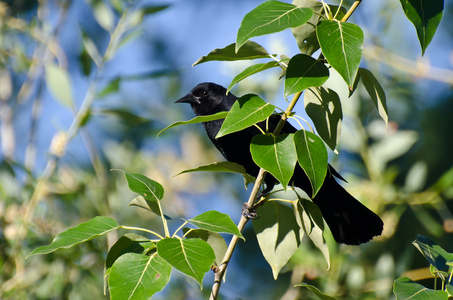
{"points": [[86, 85]]}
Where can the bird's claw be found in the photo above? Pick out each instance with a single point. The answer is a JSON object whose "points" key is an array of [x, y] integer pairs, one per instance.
{"points": [[249, 212]]}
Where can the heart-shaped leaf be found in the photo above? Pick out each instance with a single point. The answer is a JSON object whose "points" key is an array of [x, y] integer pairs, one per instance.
{"points": [[323, 106], [215, 240], [81, 233], [216, 222], [138, 276], [147, 188], [426, 16], [278, 234], [404, 288], [312, 157], [270, 17], [192, 257], [303, 72], [341, 44], [246, 111], [306, 33], [249, 50], [275, 154], [128, 243]]}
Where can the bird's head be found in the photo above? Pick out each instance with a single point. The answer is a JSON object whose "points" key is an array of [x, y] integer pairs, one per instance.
{"points": [[208, 98]]}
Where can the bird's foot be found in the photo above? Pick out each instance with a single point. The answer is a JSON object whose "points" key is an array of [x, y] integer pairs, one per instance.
{"points": [[249, 211]]}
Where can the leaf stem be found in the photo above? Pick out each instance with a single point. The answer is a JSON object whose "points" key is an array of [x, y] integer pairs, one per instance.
{"points": [[179, 228], [351, 10], [142, 229]]}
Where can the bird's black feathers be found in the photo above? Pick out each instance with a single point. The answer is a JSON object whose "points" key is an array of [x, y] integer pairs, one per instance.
{"points": [[349, 220]]}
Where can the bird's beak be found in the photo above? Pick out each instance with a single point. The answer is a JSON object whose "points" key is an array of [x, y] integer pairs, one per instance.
{"points": [[189, 98]]}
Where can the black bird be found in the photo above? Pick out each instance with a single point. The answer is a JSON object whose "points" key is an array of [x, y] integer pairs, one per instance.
{"points": [[349, 220]]}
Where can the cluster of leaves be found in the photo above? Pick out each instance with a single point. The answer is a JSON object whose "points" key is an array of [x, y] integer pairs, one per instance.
{"points": [[315, 25], [138, 267], [440, 265]]}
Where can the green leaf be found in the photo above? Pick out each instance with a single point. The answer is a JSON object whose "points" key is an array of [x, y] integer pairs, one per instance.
{"points": [[128, 243], [323, 106], [192, 257], [316, 291], [275, 154], [200, 119], [149, 205], [147, 188], [376, 92], [246, 111], [81, 233], [59, 85], [312, 157], [305, 34], [426, 16], [404, 288], [250, 50], [216, 222], [252, 70], [223, 166], [270, 17], [278, 234], [138, 276], [215, 240], [303, 72], [434, 254], [341, 44], [309, 218]]}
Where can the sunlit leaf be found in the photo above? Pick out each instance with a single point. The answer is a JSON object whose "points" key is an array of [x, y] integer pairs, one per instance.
{"points": [[193, 257], [323, 106], [270, 17], [341, 44], [303, 72], [250, 50], [426, 16], [312, 157], [147, 188], [81, 233], [199, 119], [305, 34], [138, 276], [246, 111], [275, 154], [404, 288], [215, 240], [216, 222], [278, 234], [252, 70]]}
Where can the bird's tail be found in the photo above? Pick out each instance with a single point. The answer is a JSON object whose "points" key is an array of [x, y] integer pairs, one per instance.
{"points": [[349, 220]]}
